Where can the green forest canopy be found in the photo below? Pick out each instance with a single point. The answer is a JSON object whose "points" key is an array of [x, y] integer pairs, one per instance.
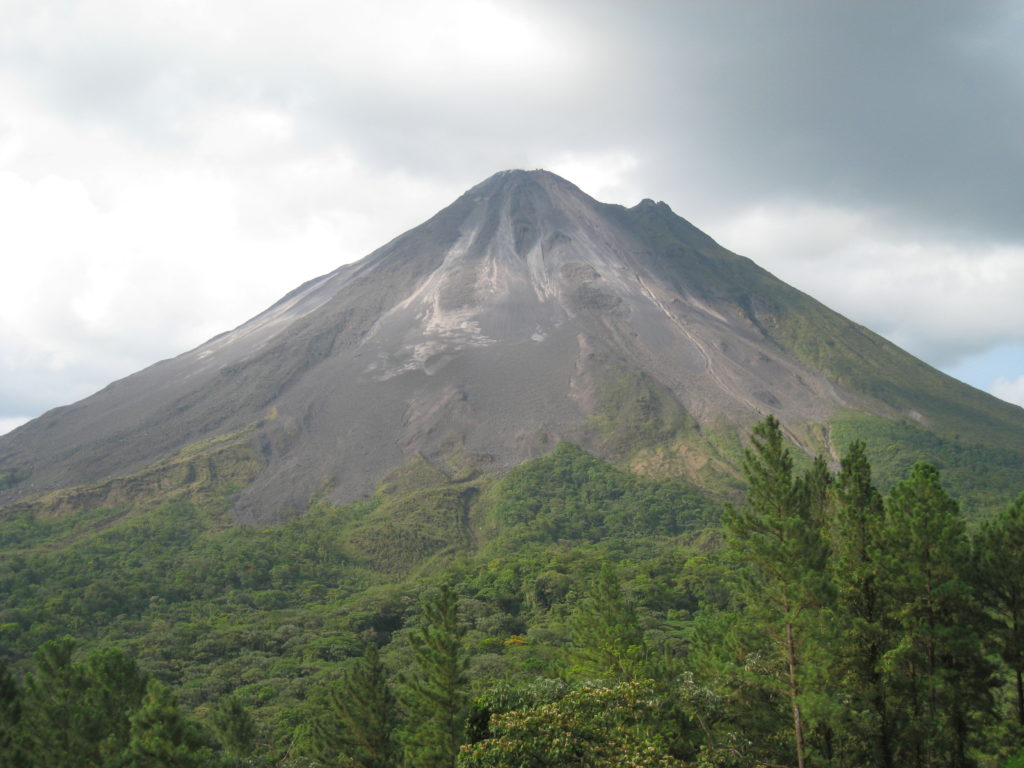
{"points": [[567, 611]]}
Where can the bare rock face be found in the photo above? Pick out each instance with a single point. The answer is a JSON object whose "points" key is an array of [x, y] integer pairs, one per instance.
{"points": [[523, 314]]}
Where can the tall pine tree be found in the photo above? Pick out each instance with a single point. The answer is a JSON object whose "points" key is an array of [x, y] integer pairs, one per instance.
{"points": [[161, 736], [608, 642], [54, 724], [776, 542], [862, 634], [10, 720], [234, 727], [115, 687], [936, 675], [358, 728], [436, 691], [999, 576]]}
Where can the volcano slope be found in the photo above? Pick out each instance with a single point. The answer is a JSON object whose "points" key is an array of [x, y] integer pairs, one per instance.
{"points": [[522, 315]]}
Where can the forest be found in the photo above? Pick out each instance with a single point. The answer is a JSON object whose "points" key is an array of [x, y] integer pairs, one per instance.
{"points": [[566, 614]]}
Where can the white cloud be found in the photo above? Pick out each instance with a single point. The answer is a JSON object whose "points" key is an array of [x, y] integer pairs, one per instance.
{"points": [[241, 132], [7, 424], [942, 301], [602, 175], [96, 291], [1012, 391]]}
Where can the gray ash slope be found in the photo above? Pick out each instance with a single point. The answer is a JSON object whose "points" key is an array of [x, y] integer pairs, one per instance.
{"points": [[492, 331]]}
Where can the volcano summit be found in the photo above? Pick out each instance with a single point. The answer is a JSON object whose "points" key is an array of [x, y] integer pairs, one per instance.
{"points": [[523, 314]]}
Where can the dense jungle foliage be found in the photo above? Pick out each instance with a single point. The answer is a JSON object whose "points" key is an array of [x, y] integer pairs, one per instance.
{"points": [[568, 613]]}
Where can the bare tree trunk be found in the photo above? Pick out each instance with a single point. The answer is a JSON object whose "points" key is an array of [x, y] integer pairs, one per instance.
{"points": [[798, 727]]}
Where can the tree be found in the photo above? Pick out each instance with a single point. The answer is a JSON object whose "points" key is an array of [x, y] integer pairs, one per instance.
{"points": [[359, 727], [75, 713], [161, 737], [114, 688], [54, 726], [436, 691], [234, 727], [608, 642], [999, 577], [861, 630], [10, 720], [936, 673], [596, 727], [776, 544]]}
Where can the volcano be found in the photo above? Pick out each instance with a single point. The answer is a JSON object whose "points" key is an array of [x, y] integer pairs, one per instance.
{"points": [[523, 314]]}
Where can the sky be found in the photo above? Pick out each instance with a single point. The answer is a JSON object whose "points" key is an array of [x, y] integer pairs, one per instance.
{"points": [[170, 168]]}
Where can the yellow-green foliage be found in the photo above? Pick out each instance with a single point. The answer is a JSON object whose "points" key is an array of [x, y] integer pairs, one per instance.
{"points": [[691, 457], [618, 726], [635, 411], [401, 533], [416, 474], [572, 495]]}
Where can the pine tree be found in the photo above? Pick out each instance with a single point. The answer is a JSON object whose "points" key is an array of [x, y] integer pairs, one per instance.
{"points": [[608, 642], [437, 689], [161, 736], [936, 673], [776, 542], [361, 719], [857, 534], [54, 725], [10, 720], [114, 688], [76, 713], [816, 490], [234, 727], [999, 576]]}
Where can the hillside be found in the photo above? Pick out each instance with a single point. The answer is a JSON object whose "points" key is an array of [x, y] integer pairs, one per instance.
{"points": [[523, 459], [522, 315]]}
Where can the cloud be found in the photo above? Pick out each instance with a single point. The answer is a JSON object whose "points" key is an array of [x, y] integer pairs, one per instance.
{"points": [[912, 116], [603, 176], [1010, 391], [722, 104], [175, 166], [6, 425], [401, 82], [95, 291], [942, 301]]}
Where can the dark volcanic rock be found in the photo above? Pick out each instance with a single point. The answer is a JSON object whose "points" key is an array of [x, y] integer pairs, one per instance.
{"points": [[490, 331]]}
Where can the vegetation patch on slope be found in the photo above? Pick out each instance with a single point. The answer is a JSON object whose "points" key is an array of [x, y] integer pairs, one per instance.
{"points": [[202, 472], [981, 477], [635, 411]]}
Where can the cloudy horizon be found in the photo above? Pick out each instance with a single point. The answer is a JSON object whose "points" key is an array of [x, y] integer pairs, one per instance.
{"points": [[169, 169]]}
